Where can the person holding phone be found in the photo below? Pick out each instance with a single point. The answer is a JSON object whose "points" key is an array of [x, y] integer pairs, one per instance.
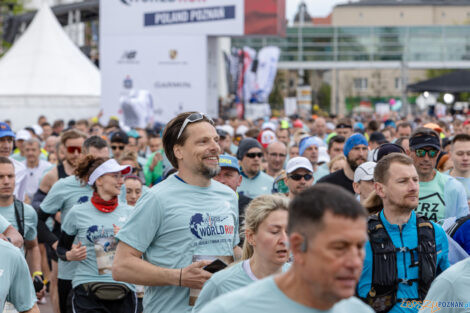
{"points": [[94, 224], [264, 251]]}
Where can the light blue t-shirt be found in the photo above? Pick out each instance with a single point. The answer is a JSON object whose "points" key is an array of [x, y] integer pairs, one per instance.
{"points": [[64, 194], [265, 296], [225, 281], [406, 237], [320, 172], [16, 285], [4, 224], [175, 221], [261, 184], [452, 288], [464, 181], [30, 219], [94, 229], [441, 198]]}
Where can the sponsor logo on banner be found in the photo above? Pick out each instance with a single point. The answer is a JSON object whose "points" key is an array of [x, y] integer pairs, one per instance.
{"points": [[173, 53], [206, 225], [128, 83], [172, 85], [129, 57], [130, 2], [189, 16], [173, 59]]}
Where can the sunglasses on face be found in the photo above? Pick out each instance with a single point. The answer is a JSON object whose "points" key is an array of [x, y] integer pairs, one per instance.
{"points": [[298, 177], [117, 147], [420, 153], [254, 155], [73, 149], [191, 119], [277, 155]]}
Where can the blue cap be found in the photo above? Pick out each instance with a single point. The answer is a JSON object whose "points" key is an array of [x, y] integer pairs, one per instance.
{"points": [[226, 160], [308, 142], [354, 140], [5, 130]]}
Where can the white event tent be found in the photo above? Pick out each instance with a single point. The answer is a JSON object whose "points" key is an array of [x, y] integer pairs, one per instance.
{"points": [[44, 73]]}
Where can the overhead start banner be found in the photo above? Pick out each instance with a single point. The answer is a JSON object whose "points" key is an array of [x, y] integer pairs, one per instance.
{"points": [[167, 50]]}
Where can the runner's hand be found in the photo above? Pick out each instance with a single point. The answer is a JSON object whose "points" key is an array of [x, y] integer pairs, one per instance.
{"points": [[194, 276], [77, 253], [116, 229], [156, 158]]}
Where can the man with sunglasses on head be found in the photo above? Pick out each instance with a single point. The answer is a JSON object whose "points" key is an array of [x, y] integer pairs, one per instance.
{"points": [[66, 193], [440, 196], [255, 182], [188, 216], [299, 176]]}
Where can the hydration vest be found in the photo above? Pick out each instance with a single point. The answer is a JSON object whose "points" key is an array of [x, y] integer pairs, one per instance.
{"points": [[383, 292]]}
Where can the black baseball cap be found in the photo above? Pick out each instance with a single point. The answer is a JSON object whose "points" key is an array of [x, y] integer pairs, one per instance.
{"points": [[120, 137], [386, 149], [425, 140], [377, 137]]}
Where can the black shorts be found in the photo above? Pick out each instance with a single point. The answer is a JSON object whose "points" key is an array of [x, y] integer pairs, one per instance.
{"points": [[87, 302], [65, 295]]}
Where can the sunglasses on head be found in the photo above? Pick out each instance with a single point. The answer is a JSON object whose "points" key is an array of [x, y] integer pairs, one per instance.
{"points": [[73, 149], [420, 153], [254, 155], [117, 147], [298, 177], [191, 119]]}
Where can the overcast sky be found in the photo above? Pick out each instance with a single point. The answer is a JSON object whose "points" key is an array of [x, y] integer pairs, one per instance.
{"points": [[316, 8]]}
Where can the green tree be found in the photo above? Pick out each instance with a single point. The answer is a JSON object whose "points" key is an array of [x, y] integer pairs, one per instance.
{"points": [[324, 97], [7, 8], [276, 98]]}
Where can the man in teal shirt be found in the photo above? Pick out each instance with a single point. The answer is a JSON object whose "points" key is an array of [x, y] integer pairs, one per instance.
{"points": [[327, 233], [255, 182], [188, 216], [16, 286], [440, 196]]}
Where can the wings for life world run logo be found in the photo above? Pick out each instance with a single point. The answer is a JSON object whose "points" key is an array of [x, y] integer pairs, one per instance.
{"points": [[96, 232], [203, 226]]}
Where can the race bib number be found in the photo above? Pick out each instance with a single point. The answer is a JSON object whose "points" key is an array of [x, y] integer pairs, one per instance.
{"points": [[9, 308], [105, 250]]}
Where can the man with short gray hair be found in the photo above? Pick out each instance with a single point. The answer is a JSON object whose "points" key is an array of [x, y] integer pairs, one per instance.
{"points": [[35, 167]]}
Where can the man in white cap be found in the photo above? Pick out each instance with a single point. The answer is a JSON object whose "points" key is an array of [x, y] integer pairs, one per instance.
{"points": [[364, 180], [299, 175], [21, 136]]}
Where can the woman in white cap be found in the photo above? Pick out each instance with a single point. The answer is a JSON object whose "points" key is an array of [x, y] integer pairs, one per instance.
{"points": [[264, 251], [92, 226]]}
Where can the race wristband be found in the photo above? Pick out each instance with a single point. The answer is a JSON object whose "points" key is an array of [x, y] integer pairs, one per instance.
{"points": [[37, 273]]}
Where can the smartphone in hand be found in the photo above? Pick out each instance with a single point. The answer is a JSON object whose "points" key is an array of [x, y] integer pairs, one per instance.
{"points": [[215, 266]]}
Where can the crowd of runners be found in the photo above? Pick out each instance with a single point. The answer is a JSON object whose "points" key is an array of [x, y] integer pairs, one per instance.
{"points": [[320, 214]]}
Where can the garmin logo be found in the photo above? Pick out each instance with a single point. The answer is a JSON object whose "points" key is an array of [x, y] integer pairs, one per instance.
{"points": [[172, 85]]}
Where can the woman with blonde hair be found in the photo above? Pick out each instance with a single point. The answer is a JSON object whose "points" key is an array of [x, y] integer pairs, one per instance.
{"points": [[264, 251]]}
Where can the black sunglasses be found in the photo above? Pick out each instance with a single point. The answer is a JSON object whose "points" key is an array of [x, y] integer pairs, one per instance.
{"points": [[298, 177], [254, 155], [117, 147]]}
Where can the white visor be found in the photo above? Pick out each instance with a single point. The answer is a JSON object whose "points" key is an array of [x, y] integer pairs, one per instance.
{"points": [[110, 166]]}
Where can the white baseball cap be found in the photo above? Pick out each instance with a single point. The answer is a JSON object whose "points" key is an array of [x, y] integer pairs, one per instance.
{"points": [[365, 171], [23, 135], [298, 162], [110, 166]]}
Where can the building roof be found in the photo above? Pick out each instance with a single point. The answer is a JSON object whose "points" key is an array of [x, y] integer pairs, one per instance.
{"points": [[363, 3], [327, 20]]}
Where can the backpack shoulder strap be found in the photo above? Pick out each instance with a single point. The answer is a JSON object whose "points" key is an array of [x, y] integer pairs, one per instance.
{"points": [[19, 215]]}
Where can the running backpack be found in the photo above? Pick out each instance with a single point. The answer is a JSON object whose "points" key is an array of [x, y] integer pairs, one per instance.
{"points": [[19, 215]]}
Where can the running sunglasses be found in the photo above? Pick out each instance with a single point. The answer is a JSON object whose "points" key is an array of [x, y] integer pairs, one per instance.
{"points": [[117, 147], [420, 153], [298, 177], [254, 155], [73, 149], [191, 119]]}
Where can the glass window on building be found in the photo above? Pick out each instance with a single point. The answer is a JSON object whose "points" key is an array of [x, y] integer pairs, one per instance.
{"points": [[360, 83]]}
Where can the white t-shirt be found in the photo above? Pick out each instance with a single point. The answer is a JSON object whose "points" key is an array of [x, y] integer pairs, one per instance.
{"points": [[20, 179], [34, 175]]}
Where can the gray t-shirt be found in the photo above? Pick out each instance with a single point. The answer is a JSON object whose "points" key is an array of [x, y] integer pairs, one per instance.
{"points": [[265, 296]]}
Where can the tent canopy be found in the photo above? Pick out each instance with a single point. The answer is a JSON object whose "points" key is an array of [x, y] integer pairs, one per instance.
{"points": [[458, 81], [46, 73]]}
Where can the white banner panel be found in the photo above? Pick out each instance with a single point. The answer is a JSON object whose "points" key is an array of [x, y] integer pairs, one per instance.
{"points": [[172, 17], [169, 67]]}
